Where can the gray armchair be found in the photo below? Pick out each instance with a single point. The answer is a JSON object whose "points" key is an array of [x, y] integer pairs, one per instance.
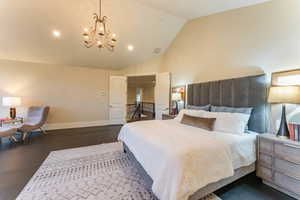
{"points": [[36, 118]]}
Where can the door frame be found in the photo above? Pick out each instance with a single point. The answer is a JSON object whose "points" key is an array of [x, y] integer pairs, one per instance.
{"points": [[134, 75], [152, 74], [109, 99]]}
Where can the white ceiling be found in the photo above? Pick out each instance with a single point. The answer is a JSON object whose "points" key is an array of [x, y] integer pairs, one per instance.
{"points": [[190, 9], [26, 28]]}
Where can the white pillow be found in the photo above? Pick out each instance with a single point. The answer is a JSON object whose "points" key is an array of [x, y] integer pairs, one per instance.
{"points": [[194, 113], [229, 122]]}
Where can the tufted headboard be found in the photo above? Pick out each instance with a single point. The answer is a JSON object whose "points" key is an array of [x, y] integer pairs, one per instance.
{"points": [[239, 92]]}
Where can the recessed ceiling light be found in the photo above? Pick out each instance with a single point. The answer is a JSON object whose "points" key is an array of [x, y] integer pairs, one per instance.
{"points": [[157, 50], [56, 33], [130, 47]]}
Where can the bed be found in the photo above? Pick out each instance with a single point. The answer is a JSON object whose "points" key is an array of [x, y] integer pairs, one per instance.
{"points": [[184, 162]]}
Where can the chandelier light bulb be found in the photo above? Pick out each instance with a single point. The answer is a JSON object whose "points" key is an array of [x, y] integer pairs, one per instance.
{"points": [[86, 30]]}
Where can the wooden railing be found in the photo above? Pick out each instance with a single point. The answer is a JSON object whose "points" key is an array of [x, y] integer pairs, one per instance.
{"points": [[140, 108]]}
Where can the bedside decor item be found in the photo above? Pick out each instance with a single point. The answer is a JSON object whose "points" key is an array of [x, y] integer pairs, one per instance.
{"points": [[294, 131], [98, 35], [178, 99], [11, 102], [283, 95]]}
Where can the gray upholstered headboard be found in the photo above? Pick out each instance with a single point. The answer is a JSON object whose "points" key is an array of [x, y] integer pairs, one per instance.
{"points": [[239, 92]]}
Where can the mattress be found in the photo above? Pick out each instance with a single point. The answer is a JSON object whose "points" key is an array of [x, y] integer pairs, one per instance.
{"points": [[182, 158]]}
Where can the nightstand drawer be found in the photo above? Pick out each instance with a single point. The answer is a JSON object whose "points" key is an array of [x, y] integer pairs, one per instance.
{"points": [[289, 183], [266, 146], [287, 168], [265, 160], [287, 152], [264, 173]]}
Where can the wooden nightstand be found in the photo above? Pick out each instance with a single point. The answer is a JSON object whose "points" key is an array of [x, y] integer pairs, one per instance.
{"points": [[168, 116], [279, 164]]}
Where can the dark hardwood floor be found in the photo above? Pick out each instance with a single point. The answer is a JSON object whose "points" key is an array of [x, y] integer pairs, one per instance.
{"points": [[18, 162]]}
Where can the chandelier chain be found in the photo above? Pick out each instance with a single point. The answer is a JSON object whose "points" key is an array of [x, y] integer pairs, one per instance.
{"points": [[100, 8]]}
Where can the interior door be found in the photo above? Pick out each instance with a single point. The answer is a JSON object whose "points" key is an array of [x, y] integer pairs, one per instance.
{"points": [[117, 99], [162, 94]]}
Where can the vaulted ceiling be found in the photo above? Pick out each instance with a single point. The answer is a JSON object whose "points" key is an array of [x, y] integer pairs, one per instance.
{"points": [[26, 28]]}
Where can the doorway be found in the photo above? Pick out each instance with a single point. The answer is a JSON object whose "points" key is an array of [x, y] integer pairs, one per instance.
{"points": [[141, 98], [152, 104]]}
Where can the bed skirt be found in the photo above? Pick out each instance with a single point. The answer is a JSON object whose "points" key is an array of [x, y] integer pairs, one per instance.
{"points": [[202, 192]]}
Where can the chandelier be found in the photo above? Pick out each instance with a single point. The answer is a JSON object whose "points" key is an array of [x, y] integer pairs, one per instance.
{"points": [[98, 35]]}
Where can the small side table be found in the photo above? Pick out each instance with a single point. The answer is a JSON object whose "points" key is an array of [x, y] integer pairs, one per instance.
{"points": [[168, 116], [11, 122]]}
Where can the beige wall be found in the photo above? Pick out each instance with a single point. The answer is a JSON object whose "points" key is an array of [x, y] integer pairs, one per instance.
{"points": [[75, 94], [258, 39], [131, 95], [150, 67], [148, 94], [247, 41]]}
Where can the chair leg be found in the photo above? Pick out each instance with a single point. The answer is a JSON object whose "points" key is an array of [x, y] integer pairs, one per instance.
{"points": [[43, 131], [14, 138], [24, 136]]}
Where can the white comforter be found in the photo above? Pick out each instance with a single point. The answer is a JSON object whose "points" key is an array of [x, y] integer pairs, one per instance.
{"points": [[181, 159]]}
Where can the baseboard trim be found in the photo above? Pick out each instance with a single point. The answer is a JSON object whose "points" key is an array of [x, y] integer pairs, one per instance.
{"points": [[57, 126]]}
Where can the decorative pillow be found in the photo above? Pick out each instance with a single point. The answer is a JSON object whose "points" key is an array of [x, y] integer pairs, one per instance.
{"points": [[206, 108], [194, 113], [245, 110], [231, 109], [229, 122], [199, 122]]}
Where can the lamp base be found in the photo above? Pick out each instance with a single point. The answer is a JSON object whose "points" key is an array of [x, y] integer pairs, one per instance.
{"points": [[283, 137], [12, 112], [283, 131]]}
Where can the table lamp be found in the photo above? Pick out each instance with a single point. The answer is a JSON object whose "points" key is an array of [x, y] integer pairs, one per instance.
{"points": [[176, 97], [283, 95], [11, 102]]}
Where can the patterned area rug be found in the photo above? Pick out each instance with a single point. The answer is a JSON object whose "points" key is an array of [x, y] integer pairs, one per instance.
{"points": [[100, 172]]}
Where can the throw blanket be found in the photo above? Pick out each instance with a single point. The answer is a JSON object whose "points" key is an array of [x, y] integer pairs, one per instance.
{"points": [[180, 159]]}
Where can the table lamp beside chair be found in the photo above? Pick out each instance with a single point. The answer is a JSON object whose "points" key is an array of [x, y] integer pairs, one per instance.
{"points": [[284, 95], [12, 102]]}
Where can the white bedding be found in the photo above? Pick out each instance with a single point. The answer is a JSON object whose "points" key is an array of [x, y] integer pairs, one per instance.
{"points": [[181, 159]]}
